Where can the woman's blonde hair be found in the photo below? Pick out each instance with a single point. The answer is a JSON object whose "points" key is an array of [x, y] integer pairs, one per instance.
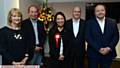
{"points": [[9, 21]]}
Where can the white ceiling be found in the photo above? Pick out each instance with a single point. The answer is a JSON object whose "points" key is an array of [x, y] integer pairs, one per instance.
{"points": [[52, 1]]}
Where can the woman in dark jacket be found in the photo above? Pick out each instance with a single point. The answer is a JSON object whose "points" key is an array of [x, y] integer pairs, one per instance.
{"points": [[13, 46], [58, 42]]}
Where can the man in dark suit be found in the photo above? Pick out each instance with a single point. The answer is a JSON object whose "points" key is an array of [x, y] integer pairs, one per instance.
{"points": [[35, 32], [75, 27], [102, 36]]}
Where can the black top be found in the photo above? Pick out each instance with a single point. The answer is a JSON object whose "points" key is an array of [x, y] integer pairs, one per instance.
{"points": [[77, 47], [54, 51], [12, 45]]}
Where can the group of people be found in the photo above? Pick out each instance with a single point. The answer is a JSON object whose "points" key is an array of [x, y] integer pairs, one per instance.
{"points": [[21, 41]]}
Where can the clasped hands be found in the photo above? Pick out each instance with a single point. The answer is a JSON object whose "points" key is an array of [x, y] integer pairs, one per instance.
{"points": [[21, 62], [38, 49], [105, 51], [61, 57]]}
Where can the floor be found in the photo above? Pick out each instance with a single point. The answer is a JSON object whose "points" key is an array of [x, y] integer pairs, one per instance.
{"points": [[115, 63]]}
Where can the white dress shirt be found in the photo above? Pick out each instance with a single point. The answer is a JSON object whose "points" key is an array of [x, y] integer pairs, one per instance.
{"points": [[34, 23], [76, 26], [101, 24], [61, 47]]}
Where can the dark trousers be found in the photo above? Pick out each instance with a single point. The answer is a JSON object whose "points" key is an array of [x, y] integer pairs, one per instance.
{"points": [[99, 63], [75, 62], [55, 63]]}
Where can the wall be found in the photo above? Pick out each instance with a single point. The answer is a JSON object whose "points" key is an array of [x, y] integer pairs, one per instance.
{"points": [[2, 13], [118, 45], [5, 6], [83, 1], [67, 7]]}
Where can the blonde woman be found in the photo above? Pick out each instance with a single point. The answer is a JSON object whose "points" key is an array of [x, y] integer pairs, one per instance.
{"points": [[13, 46]]}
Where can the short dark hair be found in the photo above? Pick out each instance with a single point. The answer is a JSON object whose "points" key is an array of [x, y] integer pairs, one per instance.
{"points": [[98, 5], [33, 6]]}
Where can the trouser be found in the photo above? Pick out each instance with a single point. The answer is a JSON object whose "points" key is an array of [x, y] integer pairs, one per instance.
{"points": [[36, 60], [55, 63], [75, 62], [99, 63]]}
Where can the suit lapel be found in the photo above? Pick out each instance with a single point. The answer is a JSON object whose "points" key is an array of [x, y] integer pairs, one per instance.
{"points": [[31, 26], [38, 27], [71, 26], [106, 28], [98, 27]]}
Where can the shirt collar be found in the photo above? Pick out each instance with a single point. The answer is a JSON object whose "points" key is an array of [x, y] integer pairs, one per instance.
{"points": [[103, 20], [76, 20], [33, 20]]}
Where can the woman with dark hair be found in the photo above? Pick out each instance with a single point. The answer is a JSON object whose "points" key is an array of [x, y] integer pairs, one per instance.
{"points": [[58, 41]]}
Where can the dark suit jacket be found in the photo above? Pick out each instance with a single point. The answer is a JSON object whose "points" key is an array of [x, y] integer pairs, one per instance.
{"points": [[54, 52], [29, 31], [77, 46], [97, 40]]}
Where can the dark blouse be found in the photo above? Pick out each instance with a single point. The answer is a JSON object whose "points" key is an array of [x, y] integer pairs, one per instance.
{"points": [[13, 45], [54, 51]]}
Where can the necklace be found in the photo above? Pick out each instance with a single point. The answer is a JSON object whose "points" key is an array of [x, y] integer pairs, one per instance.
{"points": [[14, 28]]}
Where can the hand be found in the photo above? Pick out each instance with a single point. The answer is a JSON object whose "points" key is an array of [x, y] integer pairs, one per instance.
{"points": [[18, 66], [105, 51], [21, 62], [108, 48], [47, 55], [16, 63], [38, 49], [61, 57], [101, 50], [24, 60]]}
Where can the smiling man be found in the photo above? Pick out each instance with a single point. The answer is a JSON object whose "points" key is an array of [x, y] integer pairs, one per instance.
{"points": [[102, 36], [35, 32], [75, 27]]}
